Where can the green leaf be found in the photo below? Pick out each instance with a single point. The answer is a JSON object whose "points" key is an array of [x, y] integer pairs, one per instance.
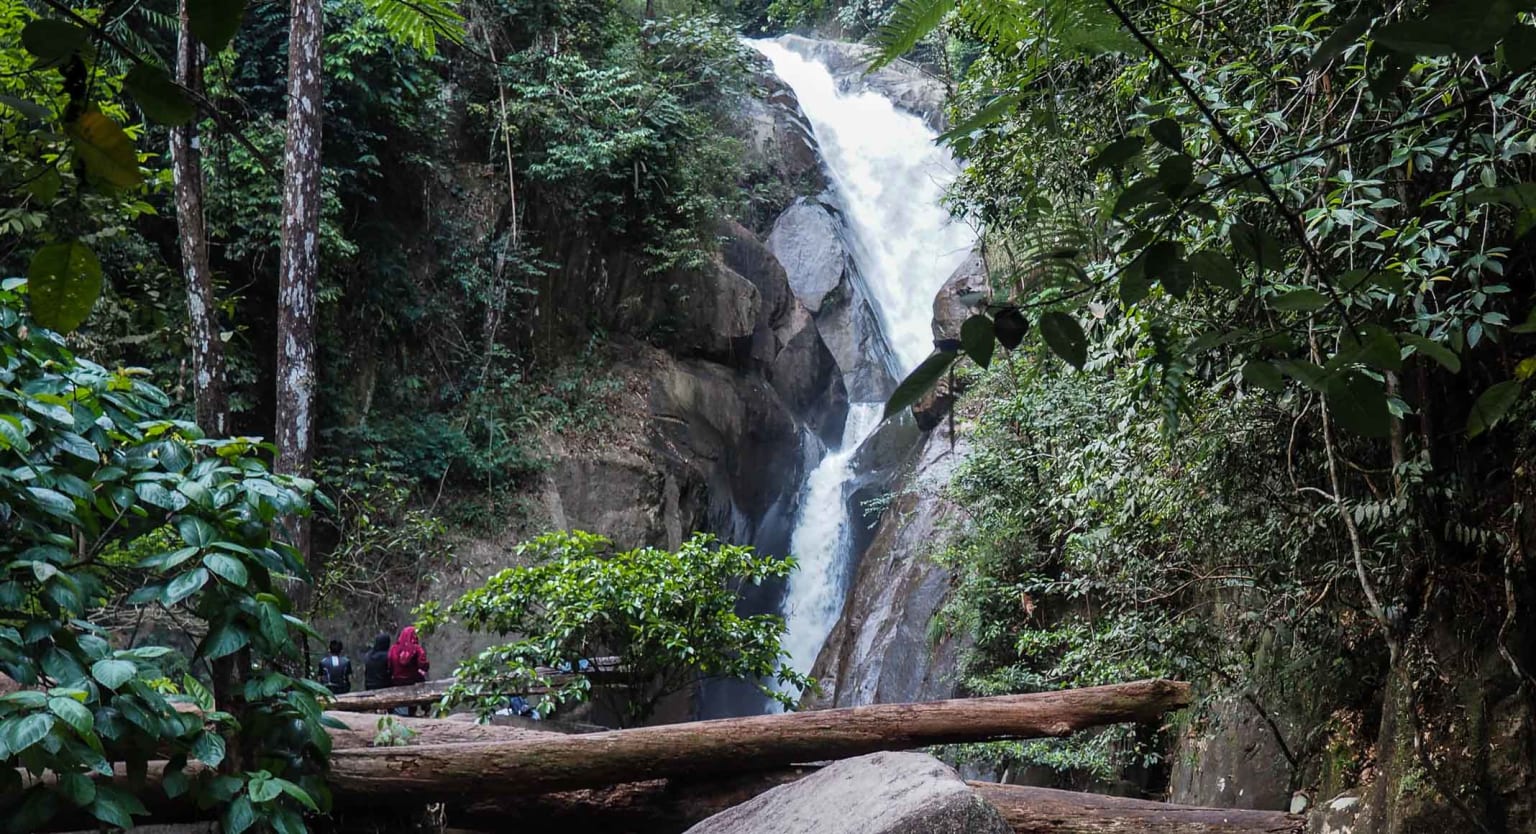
{"points": [[114, 673], [1264, 375], [106, 149], [1167, 133], [159, 97], [1010, 326], [225, 639], [73, 713], [196, 532], [1256, 246], [978, 339], [52, 40], [1374, 346], [908, 22], [184, 586], [1492, 406], [994, 111], [1299, 301], [1339, 40], [1216, 269], [227, 568], [1434, 350], [263, 790], [1358, 403], [299, 794], [215, 22], [209, 748], [1116, 154], [1065, 338], [1466, 28], [64, 281], [1175, 174], [1519, 48], [77, 788], [919, 382], [18, 734]]}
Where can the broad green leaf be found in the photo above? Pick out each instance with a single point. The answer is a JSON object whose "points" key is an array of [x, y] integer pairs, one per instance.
{"points": [[222, 640], [1299, 301], [978, 339], [1339, 40], [196, 532], [1375, 346], [1492, 406], [1358, 403], [1010, 326], [160, 99], [77, 788], [1452, 27], [1264, 375], [994, 111], [919, 382], [263, 790], [63, 281], [52, 40], [1065, 338], [1117, 153], [106, 149], [114, 673], [184, 586], [1256, 246], [215, 22], [73, 713], [1434, 350], [18, 734], [115, 806], [1167, 133], [227, 568], [209, 748], [1216, 269], [298, 793]]}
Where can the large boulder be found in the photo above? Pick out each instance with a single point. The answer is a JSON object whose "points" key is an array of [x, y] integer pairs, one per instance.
{"points": [[882, 793], [954, 304], [808, 242]]}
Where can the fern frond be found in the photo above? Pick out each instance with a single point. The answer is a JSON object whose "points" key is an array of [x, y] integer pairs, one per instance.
{"points": [[418, 23], [909, 23]]}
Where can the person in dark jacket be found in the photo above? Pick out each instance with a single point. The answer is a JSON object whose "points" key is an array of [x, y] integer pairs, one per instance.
{"points": [[407, 660], [336, 670], [376, 664]]}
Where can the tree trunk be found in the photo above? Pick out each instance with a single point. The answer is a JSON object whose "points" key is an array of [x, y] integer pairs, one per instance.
{"points": [[209, 390], [1046, 811], [299, 266], [598, 669], [735, 745]]}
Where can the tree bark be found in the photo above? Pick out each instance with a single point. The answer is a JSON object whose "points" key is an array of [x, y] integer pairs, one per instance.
{"points": [[1046, 811], [299, 266], [737, 745], [209, 386], [598, 669]]}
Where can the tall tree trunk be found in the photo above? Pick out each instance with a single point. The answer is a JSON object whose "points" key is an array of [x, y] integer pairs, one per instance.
{"points": [[300, 261], [208, 378]]}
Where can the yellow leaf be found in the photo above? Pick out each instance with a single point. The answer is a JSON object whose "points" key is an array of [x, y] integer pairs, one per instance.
{"points": [[106, 149], [1526, 367]]}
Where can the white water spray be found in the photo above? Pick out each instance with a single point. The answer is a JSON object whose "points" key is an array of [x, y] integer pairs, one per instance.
{"points": [[889, 177]]}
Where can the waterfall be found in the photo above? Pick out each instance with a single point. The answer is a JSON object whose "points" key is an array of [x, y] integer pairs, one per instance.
{"points": [[889, 178]]}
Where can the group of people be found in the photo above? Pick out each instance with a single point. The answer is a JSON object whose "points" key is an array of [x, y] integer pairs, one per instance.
{"points": [[385, 665]]}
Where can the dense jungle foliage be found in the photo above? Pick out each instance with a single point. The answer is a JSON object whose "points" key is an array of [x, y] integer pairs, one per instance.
{"points": [[1287, 246]]}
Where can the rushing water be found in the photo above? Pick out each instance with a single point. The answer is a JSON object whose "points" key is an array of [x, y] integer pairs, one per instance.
{"points": [[889, 177]]}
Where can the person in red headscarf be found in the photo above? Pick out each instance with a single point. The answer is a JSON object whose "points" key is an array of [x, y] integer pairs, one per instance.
{"points": [[407, 659]]}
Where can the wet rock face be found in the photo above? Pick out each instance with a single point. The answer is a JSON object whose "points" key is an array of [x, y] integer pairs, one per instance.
{"points": [[882, 793], [808, 241], [882, 650], [1235, 762], [951, 307]]}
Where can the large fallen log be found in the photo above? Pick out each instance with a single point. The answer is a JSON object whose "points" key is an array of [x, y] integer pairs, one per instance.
{"points": [[736, 745], [1046, 811]]}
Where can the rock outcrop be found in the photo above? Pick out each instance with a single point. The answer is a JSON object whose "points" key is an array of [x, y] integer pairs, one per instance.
{"points": [[882, 793]]}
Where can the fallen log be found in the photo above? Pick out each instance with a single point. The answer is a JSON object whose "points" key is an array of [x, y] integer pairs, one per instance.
{"points": [[735, 745], [361, 730], [430, 692], [1046, 811]]}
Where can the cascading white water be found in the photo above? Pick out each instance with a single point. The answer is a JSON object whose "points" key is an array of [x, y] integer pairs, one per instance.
{"points": [[889, 177]]}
